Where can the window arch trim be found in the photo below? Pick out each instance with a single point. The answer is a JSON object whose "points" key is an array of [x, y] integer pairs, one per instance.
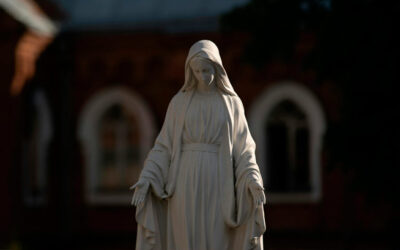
{"points": [[261, 109], [88, 131]]}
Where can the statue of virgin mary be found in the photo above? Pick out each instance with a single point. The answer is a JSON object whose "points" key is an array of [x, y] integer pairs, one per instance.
{"points": [[201, 187]]}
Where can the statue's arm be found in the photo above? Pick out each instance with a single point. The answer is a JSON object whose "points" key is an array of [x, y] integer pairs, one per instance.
{"points": [[244, 145], [156, 164], [244, 157]]}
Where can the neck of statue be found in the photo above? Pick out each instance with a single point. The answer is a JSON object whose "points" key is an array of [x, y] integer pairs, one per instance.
{"points": [[202, 88]]}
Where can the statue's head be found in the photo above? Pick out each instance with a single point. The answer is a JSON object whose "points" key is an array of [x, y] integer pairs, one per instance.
{"points": [[202, 70], [204, 65]]}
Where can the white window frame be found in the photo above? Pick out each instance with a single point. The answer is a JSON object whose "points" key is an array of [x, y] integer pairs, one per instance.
{"points": [[88, 136], [261, 109]]}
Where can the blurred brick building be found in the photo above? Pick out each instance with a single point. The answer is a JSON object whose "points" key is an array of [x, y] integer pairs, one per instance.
{"points": [[75, 139]]}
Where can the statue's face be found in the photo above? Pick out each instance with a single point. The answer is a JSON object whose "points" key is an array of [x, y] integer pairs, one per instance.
{"points": [[203, 71]]}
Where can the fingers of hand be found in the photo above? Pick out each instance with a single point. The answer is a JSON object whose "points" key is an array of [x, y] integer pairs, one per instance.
{"points": [[139, 199], [258, 194], [139, 194], [135, 197], [133, 200], [259, 187], [261, 197], [256, 198]]}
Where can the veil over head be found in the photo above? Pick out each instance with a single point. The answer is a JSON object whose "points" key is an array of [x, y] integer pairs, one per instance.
{"points": [[208, 50]]}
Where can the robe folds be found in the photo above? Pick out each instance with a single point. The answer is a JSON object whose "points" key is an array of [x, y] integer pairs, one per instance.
{"points": [[237, 168]]}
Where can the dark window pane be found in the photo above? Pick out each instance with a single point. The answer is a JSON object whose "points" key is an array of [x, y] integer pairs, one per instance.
{"points": [[302, 172], [287, 149], [119, 150], [278, 164]]}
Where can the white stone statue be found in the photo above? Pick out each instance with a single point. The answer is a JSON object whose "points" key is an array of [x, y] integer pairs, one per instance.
{"points": [[200, 187]]}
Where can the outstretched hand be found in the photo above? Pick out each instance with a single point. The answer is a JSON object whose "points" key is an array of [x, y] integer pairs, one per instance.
{"points": [[141, 187], [258, 193]]}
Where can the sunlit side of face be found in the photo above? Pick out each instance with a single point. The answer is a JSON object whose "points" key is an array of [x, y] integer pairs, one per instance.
{"points": [[203, 71]]}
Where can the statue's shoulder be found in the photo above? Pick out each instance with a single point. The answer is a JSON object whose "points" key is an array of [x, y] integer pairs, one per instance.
{"points": [[178, 97], [176, 100], [237, 102], [236, 98]]}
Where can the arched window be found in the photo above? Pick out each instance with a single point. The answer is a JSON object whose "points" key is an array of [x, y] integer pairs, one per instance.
{"points": [[116, 130], [37, 136], [288, 123]]}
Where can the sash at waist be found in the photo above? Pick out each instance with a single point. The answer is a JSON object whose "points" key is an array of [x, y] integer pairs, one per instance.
{"points": [[206, 147]]}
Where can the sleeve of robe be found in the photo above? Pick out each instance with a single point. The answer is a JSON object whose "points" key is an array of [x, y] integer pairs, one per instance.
{"points": [[151, 215], [249, 217]]}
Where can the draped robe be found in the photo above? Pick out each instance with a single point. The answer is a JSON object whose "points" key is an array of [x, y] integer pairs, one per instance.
{"points": [[237, 168]]}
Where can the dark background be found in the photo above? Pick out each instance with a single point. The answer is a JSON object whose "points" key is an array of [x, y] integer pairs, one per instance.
{"points": [[345, 52]]}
